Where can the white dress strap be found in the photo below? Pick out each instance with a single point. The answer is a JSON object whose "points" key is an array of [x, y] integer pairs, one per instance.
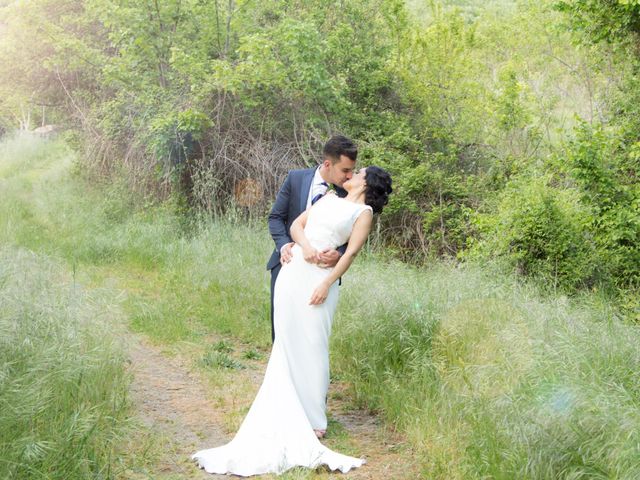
{"points": [[358, 211]]}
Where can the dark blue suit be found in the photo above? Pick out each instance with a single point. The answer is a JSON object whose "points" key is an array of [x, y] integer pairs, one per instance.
{"points": [[290, 202]]}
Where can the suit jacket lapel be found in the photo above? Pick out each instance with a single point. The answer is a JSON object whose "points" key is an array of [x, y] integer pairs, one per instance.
{"points": [[306, 185]]}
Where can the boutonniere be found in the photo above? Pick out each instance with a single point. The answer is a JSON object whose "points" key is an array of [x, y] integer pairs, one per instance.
{"points": [[331, 188]]}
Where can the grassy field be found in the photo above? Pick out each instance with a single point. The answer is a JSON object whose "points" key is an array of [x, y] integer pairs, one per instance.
{"points": [[488, 377], [63, 387]]}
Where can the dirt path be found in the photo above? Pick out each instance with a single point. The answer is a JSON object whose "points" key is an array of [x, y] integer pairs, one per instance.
{"points": [[185, 409], [172, 403]]}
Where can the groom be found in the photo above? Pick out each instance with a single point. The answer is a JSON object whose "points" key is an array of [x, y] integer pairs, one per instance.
{"points": [[300, 190]]}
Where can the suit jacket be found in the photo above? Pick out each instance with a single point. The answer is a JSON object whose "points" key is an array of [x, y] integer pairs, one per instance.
{"points": [[290, 202]]}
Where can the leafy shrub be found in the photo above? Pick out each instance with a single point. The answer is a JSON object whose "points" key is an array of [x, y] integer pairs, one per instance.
{"points": [[604, 165], [542, 231]]}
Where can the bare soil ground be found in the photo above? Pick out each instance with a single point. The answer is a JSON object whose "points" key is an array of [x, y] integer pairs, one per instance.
{"points": [[172, 403]]}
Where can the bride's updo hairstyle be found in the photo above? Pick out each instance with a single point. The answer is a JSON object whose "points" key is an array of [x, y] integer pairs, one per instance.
{"points": [[378, 188]]}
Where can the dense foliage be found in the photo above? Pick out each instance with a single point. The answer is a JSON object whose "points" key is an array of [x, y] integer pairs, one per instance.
{"points": [[511, 128]]}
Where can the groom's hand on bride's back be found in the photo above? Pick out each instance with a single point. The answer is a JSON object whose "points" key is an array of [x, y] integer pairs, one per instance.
{"points": [[285, 253], [328, 257]]}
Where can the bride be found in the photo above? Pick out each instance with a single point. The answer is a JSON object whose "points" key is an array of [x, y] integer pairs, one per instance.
{"points": [[288, 416]]}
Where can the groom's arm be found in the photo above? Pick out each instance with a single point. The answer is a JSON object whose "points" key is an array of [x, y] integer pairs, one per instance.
{"points": [[279, 215]]}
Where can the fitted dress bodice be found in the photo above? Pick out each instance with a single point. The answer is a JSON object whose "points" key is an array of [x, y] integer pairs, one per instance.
{"points": [[330, 221]]}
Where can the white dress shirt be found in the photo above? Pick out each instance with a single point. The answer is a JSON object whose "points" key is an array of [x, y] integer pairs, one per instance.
{"points": [[316, 187]]}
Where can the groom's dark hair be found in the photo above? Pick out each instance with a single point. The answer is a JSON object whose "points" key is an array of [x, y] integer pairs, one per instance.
{"points": [[340, 145]]}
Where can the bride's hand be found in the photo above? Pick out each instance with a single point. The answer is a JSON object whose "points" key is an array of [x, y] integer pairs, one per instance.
{"points": [[320, 294], [310, 255]]}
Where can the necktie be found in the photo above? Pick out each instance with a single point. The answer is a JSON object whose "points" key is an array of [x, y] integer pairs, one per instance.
{"points": [[319, 195]]}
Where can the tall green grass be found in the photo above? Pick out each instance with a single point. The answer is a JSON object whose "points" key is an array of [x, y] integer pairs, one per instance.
{"points": [[488, 376], [186, 277], [63, 387]]}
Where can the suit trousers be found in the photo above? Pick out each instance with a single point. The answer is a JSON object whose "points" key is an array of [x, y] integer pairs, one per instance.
{"points": [[274, 274]]}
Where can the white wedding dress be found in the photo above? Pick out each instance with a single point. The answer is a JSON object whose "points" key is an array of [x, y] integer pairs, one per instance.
{"points": [[277, 433]]}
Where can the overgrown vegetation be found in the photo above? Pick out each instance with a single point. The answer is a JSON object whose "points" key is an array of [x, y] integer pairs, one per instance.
{"points": [[512, 131], [479, 109], [489, 378], [485, 374], [77, 261], [63, 387]]}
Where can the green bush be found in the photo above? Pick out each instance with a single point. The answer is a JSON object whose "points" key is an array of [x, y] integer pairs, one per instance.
{"points": [[603, 164], [542, 231]]}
